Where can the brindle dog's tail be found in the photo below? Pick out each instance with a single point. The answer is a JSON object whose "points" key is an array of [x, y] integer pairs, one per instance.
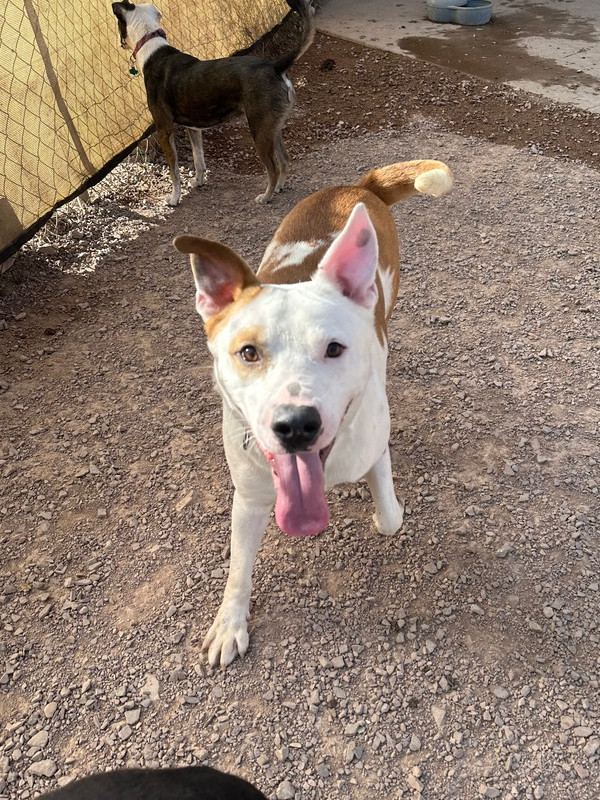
{"points": [[400, 180]]}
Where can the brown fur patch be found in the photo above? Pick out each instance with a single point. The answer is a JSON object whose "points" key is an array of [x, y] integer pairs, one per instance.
{"points": [[254, 336], [325, 213], [221, 318]]}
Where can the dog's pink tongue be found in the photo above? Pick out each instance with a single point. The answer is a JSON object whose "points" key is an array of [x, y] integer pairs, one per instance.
{"points": [[301, 508]]}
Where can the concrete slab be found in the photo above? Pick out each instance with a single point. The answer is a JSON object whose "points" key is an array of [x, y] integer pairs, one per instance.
{"points": [[549, 47]]}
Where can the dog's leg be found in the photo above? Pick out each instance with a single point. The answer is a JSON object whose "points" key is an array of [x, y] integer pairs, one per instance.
{"points": [[389, 513], [228, 635], [195, 135], [268, 158], [282, 158], [264, 142], [166, 139]]}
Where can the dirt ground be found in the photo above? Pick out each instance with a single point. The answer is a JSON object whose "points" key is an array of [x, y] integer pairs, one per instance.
{"points": [[459, 659]]}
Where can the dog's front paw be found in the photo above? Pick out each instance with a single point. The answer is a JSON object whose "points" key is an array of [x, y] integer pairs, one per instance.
{"points": [[227, 637], [263, 198], [389, 523], [173, 199], [196, 182]]}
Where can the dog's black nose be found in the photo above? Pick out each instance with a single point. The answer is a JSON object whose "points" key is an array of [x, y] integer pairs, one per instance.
{"points": [[296, 427]]}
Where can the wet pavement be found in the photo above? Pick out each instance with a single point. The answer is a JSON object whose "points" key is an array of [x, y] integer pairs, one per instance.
{"points": [[550, 47]]}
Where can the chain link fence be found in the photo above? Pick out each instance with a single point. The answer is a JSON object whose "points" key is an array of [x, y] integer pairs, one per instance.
{"points": [[70, 110]]}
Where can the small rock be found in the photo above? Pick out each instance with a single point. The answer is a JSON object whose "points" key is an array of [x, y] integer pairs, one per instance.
{"points": [[489, 791], [439, 716], [500, 692], [414, 744], [125, 732], [581, 771], [40, 739], [546, 352], [132, 716], [350, 753], [43, 769], [50, 710], [582, 731], [592, 746], [185, 501], [150, 688], [504, 550], [283, 753], [414, 783], [323, 770], [285, 791]]}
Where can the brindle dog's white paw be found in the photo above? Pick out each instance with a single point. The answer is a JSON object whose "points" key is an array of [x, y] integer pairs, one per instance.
{"points": [[263, 198], [173, 199], [227, 637], [196, 182]]}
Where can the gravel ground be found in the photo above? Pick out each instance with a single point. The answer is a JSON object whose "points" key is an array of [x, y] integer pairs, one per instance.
{"points": [[458, 659]]}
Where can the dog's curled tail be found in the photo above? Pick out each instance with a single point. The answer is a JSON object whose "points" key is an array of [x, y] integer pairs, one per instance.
{"points": [[305, 36], [397, 181]]}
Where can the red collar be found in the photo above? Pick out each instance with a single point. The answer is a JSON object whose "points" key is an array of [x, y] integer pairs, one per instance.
{"points": [[146, 38]]}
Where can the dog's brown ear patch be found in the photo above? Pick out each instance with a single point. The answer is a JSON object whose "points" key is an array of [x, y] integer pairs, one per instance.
{"points": [[220, 274]]}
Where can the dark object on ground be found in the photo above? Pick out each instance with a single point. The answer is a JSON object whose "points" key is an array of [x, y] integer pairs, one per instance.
{"points": [[186, 783]]}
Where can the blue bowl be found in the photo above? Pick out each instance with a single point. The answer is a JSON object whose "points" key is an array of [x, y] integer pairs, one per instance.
{"points": [[474, 12], [446, 3], [440, 14]]}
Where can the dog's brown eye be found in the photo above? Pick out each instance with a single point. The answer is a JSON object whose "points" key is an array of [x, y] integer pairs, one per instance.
{"points": [[334, 350], [249, 354]]}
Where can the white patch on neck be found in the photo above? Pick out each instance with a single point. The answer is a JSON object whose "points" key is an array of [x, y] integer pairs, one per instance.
{"points": [[149, 49], [289, 254], [387, 284], [144, 20]]}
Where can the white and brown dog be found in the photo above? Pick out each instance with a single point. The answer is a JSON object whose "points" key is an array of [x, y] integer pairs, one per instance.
{"points": [[183, 90], [300, 354]]}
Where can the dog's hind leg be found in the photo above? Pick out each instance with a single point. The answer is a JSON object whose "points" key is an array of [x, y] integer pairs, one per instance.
{"points": [[166, 139], [282, 158], [195, 135], [264, 141], [389, 513], [266, 154], [228, 635]]}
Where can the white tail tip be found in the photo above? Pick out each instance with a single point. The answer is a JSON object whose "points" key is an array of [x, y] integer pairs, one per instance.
{"points": [[436, 182]]}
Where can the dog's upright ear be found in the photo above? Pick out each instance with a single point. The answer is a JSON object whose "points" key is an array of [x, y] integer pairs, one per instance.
{"points": [[119, 9], [351, 261], [220, 274]]}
